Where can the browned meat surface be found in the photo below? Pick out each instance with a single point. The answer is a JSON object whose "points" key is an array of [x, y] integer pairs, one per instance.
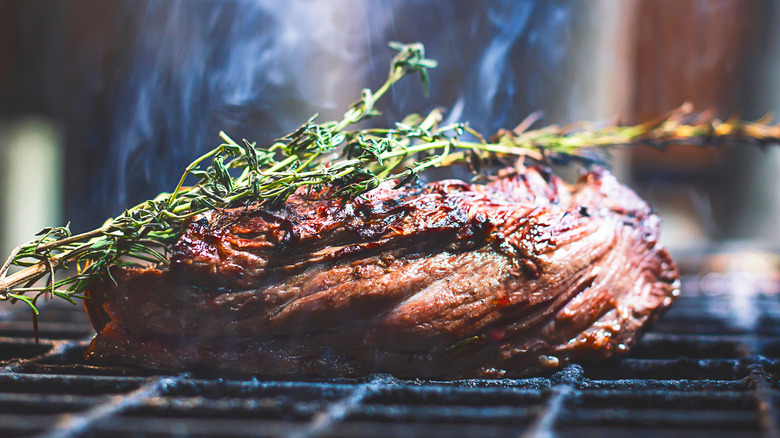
{"points": [[445, 280]]}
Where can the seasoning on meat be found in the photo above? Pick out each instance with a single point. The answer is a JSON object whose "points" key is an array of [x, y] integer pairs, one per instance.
{"points": [[444, 280]]}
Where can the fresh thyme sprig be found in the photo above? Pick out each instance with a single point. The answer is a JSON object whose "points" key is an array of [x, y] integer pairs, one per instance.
{"points": [[236, 173]]}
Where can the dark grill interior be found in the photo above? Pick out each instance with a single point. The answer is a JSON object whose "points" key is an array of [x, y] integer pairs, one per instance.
{"points": [[709, 365]]}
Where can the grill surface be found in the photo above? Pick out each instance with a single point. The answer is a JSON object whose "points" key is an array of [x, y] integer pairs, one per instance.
{"points": [[709, 365]]}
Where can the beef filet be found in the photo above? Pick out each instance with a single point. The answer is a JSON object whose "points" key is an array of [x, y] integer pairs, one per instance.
{"points": [[444, 280]]}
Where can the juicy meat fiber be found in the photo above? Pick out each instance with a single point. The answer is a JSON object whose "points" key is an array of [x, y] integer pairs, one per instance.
{"points": [[445, 280]]}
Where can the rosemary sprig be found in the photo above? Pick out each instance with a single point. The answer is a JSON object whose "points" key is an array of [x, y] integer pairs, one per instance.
{"points": [[236, 173]]}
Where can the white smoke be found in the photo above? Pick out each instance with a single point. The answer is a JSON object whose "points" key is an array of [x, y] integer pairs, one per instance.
{"points": [[258, 68], [253, 68]]}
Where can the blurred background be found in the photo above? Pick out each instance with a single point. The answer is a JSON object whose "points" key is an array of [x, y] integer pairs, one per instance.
{"points": [[103, 103]]}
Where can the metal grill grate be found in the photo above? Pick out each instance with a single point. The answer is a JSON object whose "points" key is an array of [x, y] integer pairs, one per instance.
{"points": [[709, 365]]}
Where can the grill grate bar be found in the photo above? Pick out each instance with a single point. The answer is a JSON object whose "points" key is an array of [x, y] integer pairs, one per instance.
{"points": [[59, 348], [338, 411], [767, 416], [544, 424], [753, 346], [696, 371], [75, 425]]}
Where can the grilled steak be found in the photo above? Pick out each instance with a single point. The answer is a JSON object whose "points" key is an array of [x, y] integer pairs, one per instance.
{"points": [[443, 280]]}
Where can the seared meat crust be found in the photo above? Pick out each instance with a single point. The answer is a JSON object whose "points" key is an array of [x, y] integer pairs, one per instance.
{"points": [[445, 280]]}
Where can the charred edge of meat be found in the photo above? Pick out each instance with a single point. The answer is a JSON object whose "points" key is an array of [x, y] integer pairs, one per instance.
{"points": [[444, 280]]}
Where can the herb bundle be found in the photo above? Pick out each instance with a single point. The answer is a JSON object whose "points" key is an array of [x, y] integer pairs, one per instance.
{"points": [[348, 162]]}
